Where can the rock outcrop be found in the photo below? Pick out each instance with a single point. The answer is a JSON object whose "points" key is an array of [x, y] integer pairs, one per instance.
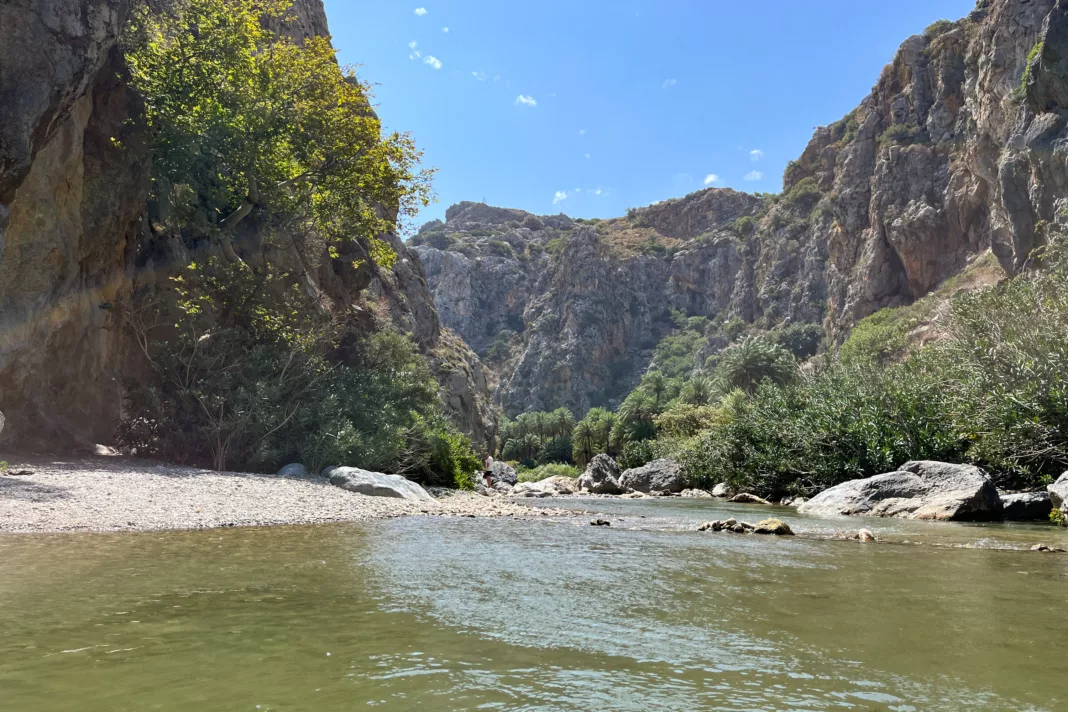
{"points": [[1058, 491], [549, 487], [601, 476], [657, 477], [919, 490], [376, 484], [957, 152]]}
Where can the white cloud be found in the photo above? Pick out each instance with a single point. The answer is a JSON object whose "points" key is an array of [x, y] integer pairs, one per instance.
{"points": [[756, 154], [668, 83], [587, 156], [754, 175], [432, 61], [420, 11], [415, 53], [480, 76], [560, 197], [711, 178], [597, 191], [413, 44], [582, 132], [526, 101], [445, 30]]}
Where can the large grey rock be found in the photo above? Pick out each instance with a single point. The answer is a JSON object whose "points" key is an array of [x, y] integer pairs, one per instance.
{"points": [[376, 484], [1058, 491], [1026, 506], [503, 472], [723, 491], [601, 476], [919, 490], [657, 477]]}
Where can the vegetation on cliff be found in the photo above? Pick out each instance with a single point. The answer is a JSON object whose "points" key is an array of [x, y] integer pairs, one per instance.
{"points": [[246, 364]]}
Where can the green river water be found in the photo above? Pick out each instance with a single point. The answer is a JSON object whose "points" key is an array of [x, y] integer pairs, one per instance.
{"points": [[551, 614]]}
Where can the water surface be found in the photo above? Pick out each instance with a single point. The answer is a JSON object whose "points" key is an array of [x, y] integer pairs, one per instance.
{"points": [[451, 614]]}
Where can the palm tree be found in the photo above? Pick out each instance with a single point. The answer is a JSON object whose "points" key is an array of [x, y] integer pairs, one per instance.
{"points": [[753, 360], [636, 416], [656, 385], [563, 422], [583, 443], [698, 391]]}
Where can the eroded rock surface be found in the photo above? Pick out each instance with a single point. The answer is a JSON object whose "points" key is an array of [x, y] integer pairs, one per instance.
{"points": [[601, 476], [657, 477], [376, 484]]}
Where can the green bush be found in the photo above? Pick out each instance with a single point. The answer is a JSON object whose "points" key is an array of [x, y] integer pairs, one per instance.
{"points": [[804, 194], [439, 240], [903, 135], [939, 28], [541, 472], [500, 249], [802, 340]]}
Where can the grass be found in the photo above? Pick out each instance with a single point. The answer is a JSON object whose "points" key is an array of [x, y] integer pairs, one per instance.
{"points": [[537, 474]]}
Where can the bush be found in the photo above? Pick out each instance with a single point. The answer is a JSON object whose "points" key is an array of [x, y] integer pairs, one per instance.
{"points": [[939, 28], [802, 340], [637, 453], [804, 194], [903, 135], [501, 249], [439, 240], [541, 472], [254, 376]]}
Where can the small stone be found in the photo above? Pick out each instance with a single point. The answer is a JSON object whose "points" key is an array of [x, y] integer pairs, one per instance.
{"points": [[600, 523], [865, 535], [775, 527], [746, 498]]}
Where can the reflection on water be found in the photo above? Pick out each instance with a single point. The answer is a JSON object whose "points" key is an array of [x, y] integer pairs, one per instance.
{"points": [[542, 615]]}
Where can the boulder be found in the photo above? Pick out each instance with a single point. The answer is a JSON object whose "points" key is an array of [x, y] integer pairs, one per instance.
{"points": [[293, 470], [601, 476], [376, 484], [919, 490], [1058, 491], [746, 498], [656, 477], [794, 502], [503, 472], [722, 490], [865, 535], [775, 527], [549, 487], [1026, 506], [696, 494]]}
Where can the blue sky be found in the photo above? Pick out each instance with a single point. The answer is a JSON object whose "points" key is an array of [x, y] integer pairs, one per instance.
{"points": [[591, 107]]}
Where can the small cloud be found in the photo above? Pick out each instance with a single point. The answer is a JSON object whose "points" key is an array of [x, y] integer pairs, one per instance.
{"points": [[587, 156], [445, 30], [597, 191], [582, 132], [432, 61], [420, 11], [754, 175], [711, 178], [480, 76], [560, 197], [756, 154], [668, 83], [527, 101]]}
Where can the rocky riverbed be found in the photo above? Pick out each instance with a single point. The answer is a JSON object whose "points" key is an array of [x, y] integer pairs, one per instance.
{"points": [[120, 494]]}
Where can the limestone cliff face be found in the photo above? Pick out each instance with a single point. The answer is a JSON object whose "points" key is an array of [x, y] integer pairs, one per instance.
{"points": [[960, 148], [75, 244]]}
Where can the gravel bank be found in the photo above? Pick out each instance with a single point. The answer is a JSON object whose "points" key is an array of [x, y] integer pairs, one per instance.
{"points": [[120, 494]]}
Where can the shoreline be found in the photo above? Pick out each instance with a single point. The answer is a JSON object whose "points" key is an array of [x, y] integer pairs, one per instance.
{"points": [[118, 494]]}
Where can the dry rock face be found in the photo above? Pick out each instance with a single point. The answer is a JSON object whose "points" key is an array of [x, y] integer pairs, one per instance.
{"points": [[951, 155], [74, 181], [919, 490]]}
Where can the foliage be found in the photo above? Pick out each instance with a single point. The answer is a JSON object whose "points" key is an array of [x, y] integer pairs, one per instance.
{"points": [[883, 336], [594, 435], [903, 135], [748, 363], [939, 28], [637, 453], [804, 194], [253, 375], [546, 471], [245, 120], [744, 226], [685, 420], [538, 437], [676, 353], [1020, 92], [3, 466], [802, 340], [439, 240], [500, 248]]}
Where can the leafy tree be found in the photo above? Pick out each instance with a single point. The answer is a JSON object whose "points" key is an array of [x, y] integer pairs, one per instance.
{"points": [[584, 443], [245, 120], [802, 340], [753, 360], [698, 391]]}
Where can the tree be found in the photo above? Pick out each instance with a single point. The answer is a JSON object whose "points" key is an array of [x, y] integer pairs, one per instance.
{"points": [[753, 360], [656, 385], [562, 422], [245, 120], [583, 443], [698, 391], [636, 417]]}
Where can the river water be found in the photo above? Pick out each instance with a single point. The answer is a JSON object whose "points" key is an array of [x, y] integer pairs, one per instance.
{"points": [[551, 614]]}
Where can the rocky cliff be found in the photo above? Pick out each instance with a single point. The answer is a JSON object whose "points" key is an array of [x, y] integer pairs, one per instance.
{"points": [[76, 238], [959, 150]]}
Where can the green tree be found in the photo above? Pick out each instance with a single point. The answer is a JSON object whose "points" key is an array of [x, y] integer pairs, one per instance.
{"points": [[242, 119], [753, 360]]}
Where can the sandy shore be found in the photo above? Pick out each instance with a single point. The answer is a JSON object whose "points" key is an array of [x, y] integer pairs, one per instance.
{"points": [[120, 494]]}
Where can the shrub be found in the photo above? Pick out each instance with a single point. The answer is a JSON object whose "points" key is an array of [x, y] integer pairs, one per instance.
{"points": [[501, 249], [439, 240], [542, 472], [753, 360], [939, 28], [802, 340], [804, 194], [636, 454], [903, 135]]}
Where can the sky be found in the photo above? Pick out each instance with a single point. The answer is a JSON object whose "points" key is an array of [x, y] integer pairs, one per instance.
{"points": [[591, 107]]}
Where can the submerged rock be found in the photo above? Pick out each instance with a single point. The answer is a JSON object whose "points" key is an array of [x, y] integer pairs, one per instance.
{"points": [[657, 477], [776, 527], [919, 490], [601, 476], [600, 523], [376, 484], [1026, 506], [746, 498], [865, 535], [1047, 549]]}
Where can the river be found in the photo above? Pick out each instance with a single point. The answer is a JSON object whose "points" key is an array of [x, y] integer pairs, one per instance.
{"points": [[550, 614]]}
